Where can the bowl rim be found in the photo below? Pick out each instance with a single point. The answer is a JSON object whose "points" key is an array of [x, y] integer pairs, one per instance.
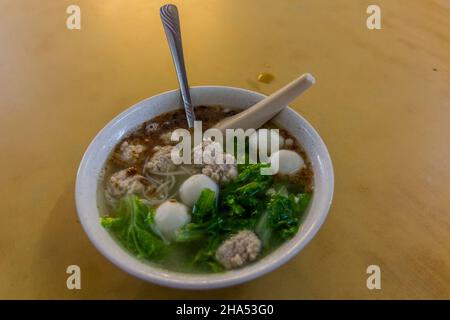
{"points": [[180, 280]]}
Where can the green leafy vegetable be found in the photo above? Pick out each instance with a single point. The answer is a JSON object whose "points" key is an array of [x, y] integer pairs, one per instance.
{"points": [[131, 224], [282, 218], [269, 206], [192, 232], [205, 206], [203, 218], [302, 201], [251, 172], [112, 223], [205, 258], [247, 192]]}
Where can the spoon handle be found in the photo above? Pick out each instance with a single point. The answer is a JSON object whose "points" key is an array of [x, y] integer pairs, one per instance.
{"points": [[171, 24], [258, 114]]}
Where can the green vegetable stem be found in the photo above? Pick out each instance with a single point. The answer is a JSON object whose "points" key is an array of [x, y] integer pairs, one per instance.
{"points": [[131, 224]]}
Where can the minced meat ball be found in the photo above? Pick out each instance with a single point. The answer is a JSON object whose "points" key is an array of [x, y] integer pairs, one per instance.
{"points": [[126, 181], [161, 161], [220, 172], [239, 249], [130, 153]]}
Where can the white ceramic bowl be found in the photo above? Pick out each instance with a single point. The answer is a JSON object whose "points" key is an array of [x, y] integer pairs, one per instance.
{"points": [[92, 164]]}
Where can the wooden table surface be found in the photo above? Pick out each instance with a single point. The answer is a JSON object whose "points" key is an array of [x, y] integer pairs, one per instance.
{"points": [[381, 104]]}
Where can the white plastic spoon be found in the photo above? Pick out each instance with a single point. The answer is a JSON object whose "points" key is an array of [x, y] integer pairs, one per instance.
{"points": [[258, 114]]}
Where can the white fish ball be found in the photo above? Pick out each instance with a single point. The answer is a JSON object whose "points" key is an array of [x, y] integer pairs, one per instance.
{"points": [[170, 216], [287, 161], [191, 189]]}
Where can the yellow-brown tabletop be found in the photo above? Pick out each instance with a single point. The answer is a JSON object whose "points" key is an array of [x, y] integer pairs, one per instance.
{"points": [[381, 104]]}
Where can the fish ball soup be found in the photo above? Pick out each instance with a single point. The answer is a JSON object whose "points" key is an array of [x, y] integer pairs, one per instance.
{"points": [[202, 217]]}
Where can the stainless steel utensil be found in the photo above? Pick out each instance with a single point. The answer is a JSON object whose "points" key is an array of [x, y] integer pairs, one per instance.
{"points": [[171, 24]]}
